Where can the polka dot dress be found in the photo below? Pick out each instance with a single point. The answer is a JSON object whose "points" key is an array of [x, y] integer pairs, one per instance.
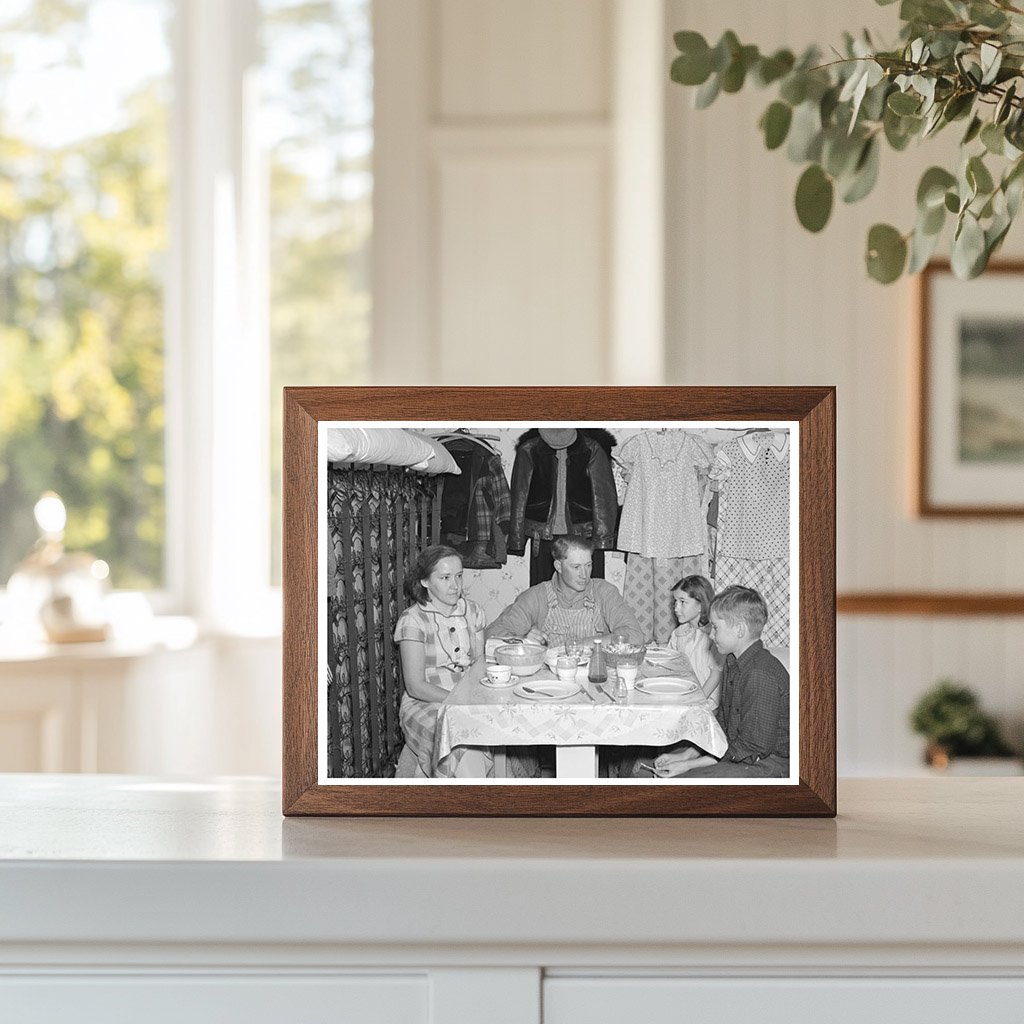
{"points": [[753, 516]]}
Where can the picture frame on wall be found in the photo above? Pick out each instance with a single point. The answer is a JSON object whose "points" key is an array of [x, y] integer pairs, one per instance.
{"points": [[970, 444], [654, 567]]}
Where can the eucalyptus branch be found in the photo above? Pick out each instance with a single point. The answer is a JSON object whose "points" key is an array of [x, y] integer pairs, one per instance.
{"points": [[833, 117]]}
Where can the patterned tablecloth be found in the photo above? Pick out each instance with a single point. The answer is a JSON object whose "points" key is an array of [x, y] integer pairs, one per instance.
{"points": [[477, 715]]}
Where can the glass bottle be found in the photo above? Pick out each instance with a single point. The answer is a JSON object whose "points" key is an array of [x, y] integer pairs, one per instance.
{"points": [[597, 673]]}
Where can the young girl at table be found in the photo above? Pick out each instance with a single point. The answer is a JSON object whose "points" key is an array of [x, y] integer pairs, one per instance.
{"points": [[693, 596], [440, 635]]}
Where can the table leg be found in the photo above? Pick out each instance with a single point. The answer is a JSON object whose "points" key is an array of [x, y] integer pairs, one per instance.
{"points": [[576, 762]]}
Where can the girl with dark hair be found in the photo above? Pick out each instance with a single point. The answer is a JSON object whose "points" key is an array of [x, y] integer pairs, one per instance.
{"points": [[439, 635], [693, 596]]}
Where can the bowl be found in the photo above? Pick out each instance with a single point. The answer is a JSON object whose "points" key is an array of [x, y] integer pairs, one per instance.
{"points": [[523, 659], [621, 652]]}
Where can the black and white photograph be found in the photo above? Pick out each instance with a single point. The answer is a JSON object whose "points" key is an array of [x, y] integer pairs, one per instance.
{"points": [[516, 603]]}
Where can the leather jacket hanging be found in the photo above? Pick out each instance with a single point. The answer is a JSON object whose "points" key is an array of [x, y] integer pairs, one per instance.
{"points": [[591, 505]]}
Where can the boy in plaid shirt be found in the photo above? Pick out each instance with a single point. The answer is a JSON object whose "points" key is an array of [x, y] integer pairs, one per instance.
{"points": [[754, 710]]}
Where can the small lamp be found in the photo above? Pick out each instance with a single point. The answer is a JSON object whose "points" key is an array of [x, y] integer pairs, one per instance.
{"points": [[58, 594]]}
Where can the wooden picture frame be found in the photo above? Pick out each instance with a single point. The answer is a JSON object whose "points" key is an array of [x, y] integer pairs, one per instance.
{"points": [[970, 443], [809, 411]]}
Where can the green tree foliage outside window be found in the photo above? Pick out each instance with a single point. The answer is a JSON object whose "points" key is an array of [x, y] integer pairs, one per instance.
{"points": [[83, 216]]}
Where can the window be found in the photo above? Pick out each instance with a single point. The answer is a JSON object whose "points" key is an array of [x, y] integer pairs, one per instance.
{"points": [[185, 222], [83, 236]]}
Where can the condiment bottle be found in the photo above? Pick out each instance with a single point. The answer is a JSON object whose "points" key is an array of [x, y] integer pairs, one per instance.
{"points": [[597, 672]]}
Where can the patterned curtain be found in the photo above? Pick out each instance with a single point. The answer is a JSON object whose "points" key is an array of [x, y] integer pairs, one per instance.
{"points": [[378, 520]]}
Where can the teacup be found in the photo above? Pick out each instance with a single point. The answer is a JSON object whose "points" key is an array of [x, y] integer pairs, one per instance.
{"points": [[565, 669], [499, 673]]}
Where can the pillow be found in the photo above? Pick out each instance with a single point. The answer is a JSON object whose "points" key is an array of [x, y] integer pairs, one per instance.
{"points": [[442, 461], [389, 445]]}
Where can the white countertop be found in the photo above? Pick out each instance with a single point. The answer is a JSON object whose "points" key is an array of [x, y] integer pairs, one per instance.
{"points": [[125, 859]]}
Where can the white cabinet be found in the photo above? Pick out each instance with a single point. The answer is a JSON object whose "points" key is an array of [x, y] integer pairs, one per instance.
{"points": [[133, 898], [175, 704], [824, 1000], [94, 708], [202, 999]]}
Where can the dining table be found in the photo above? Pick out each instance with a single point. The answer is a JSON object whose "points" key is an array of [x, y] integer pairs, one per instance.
{"points": [[476, 714]]}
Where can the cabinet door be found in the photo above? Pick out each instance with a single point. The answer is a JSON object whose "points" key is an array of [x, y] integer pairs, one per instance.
{"points": [[206, 999], [568, 1000]]}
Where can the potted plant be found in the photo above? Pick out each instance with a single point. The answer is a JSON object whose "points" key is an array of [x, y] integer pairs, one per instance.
{"points": [[955, 62], [950, 717]]}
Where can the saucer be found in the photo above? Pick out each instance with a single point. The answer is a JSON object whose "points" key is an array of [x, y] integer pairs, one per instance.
{"points": [[512, 680]]}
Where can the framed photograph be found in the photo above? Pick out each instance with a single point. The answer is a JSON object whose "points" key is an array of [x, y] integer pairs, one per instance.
{"points": [[559, 601], [970, 451]]}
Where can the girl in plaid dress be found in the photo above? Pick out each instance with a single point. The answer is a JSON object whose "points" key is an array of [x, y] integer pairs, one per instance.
{"points": [[440, 635]]}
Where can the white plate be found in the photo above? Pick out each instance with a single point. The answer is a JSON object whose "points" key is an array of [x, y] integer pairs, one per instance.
{"points": [[554, 689], [512, 680], [659, 655], [667, 686]]}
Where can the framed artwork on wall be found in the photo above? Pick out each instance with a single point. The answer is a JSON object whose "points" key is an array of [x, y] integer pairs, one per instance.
{"points": [[670, 652], [970, 445]]}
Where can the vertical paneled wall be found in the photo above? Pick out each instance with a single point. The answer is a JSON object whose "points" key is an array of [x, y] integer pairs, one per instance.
{"points": [[508, 156], [752, 298]]}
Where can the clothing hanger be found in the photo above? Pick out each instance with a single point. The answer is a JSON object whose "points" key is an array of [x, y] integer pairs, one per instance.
{"points": [[462, 434], [465, 432]]}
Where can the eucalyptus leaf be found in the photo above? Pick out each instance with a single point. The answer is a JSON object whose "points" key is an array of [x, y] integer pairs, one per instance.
{"points": [[991, 60], [775, 124], [931, 190], [933, 122], [1005, 104], [794, 88], [828, 104], [987, 15], [805, 133], [904, 103], [973, 129], [735, 74], [993, 138], [771, 69], [840, 152], [978, 175], [814, 195], [932, 221], [922, 248], [995, 233], [865, 174], [958, 105], [723, 51], [952, 202], [886, 253], [1013, 191], [900, 130], [968, 247], [873, 106], [707, 93]]}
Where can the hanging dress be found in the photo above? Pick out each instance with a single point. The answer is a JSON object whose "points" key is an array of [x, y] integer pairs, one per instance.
{"points": [[753, 524], [663, 525]]}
